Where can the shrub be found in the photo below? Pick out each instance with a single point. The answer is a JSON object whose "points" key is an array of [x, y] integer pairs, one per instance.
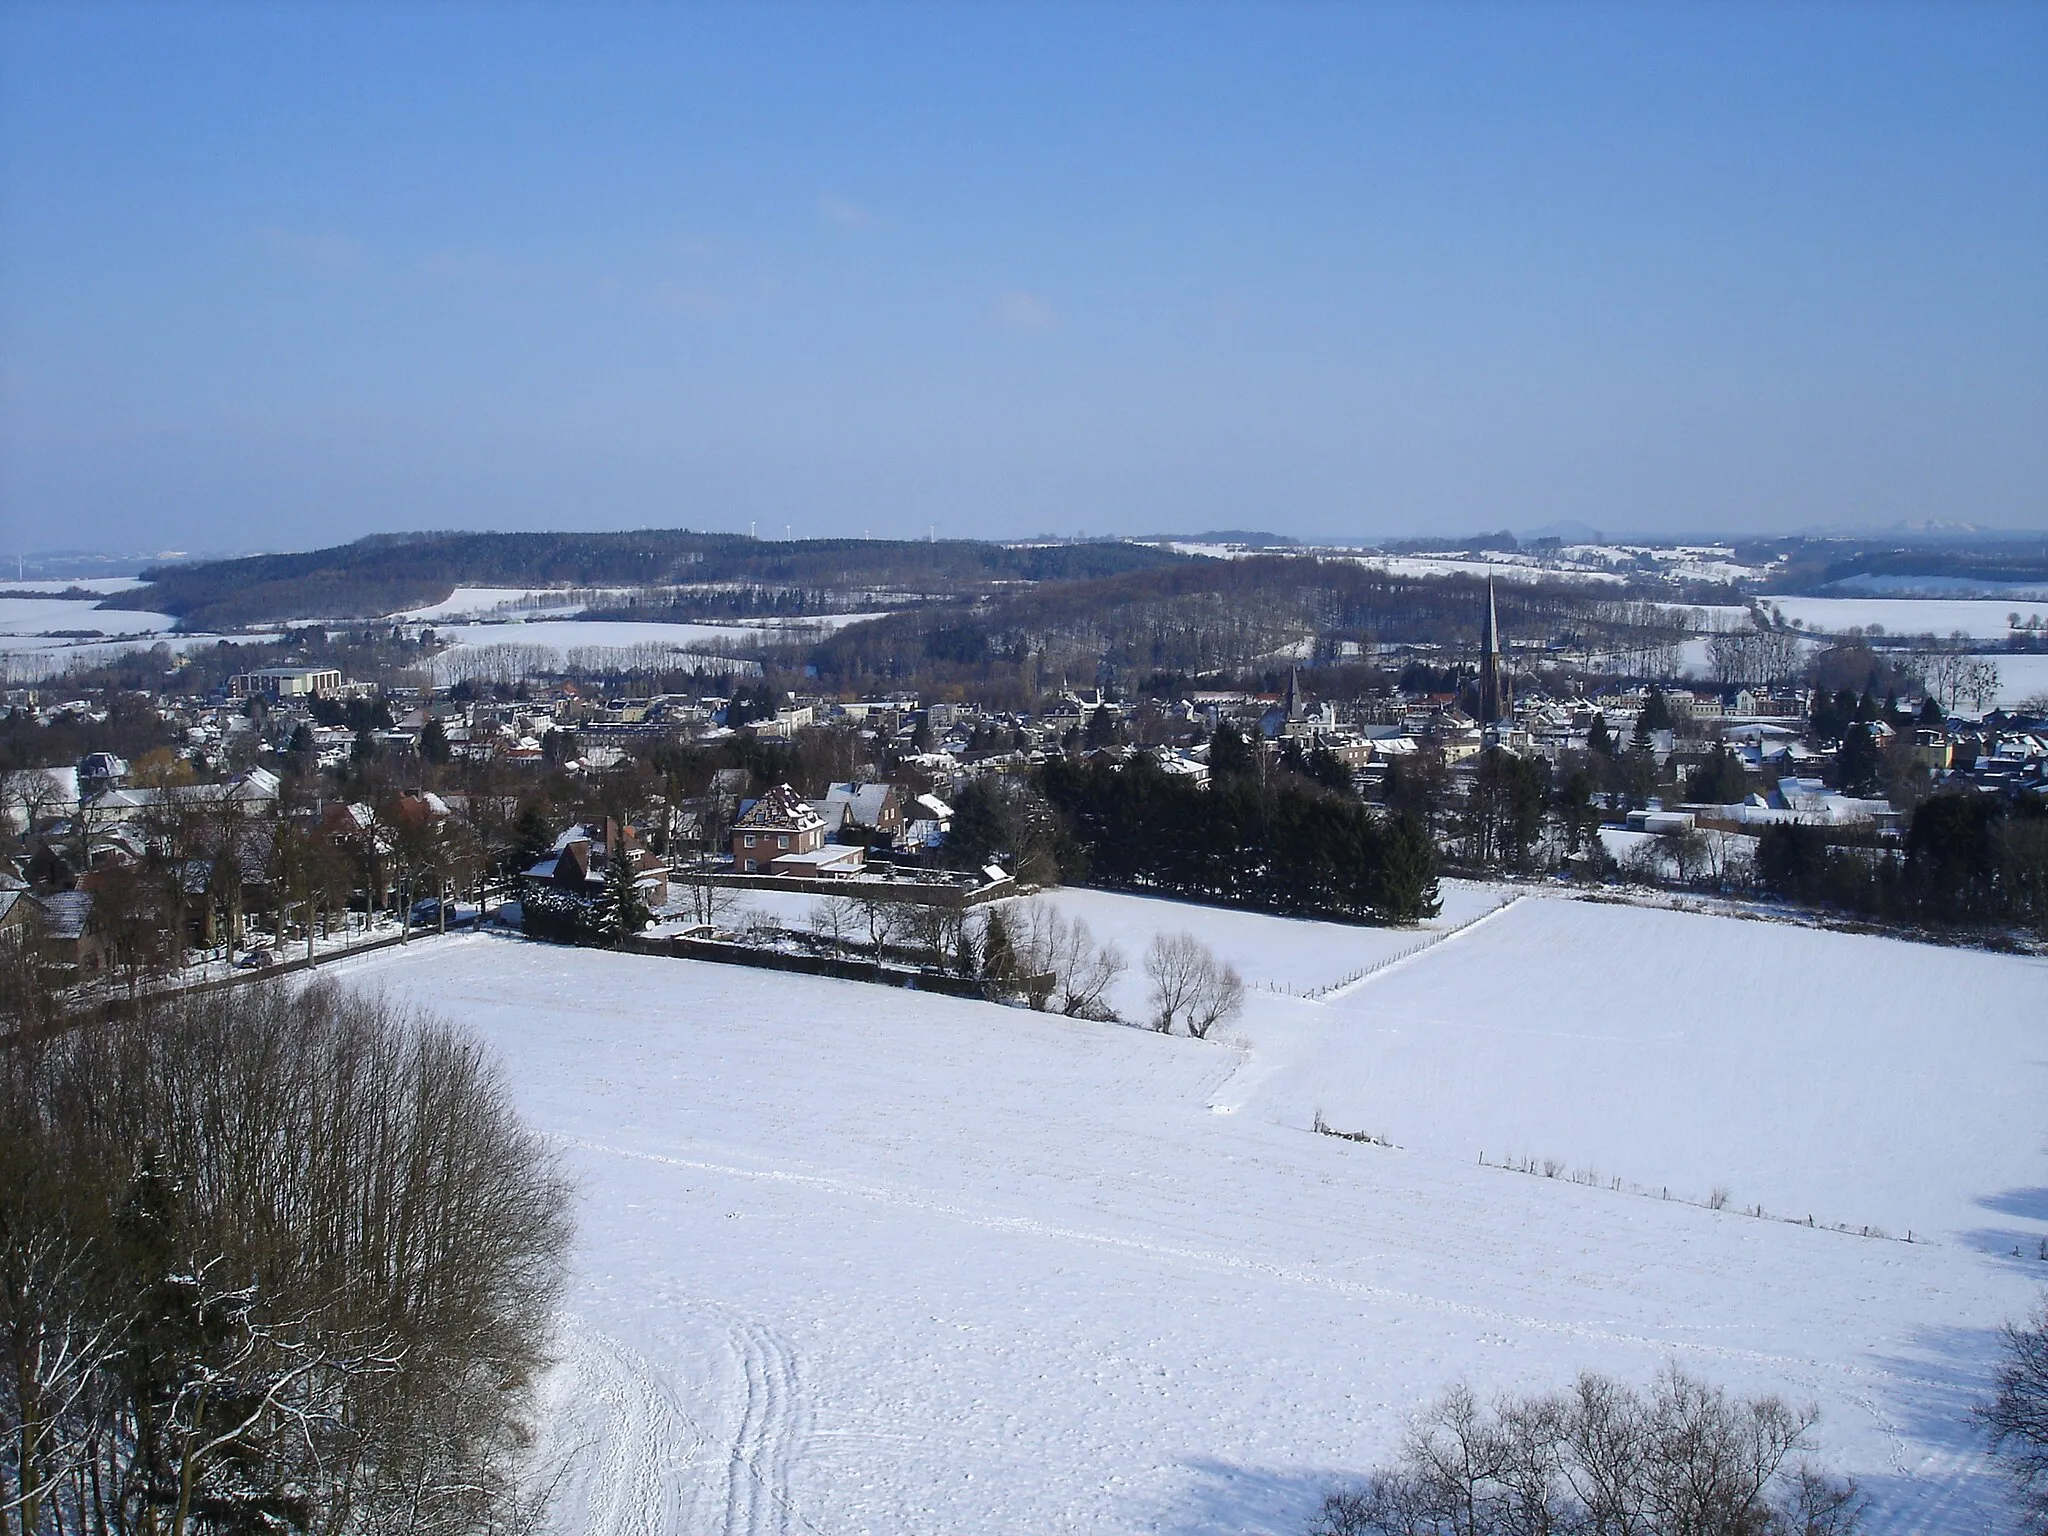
{"points": [[1601, 1458]]}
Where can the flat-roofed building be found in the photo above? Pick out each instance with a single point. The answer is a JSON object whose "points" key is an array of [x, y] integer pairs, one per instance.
{"points": [[286, 683]]}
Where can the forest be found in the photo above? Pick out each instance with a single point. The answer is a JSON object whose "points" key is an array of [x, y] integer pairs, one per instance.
{"points": [[387, 573]]}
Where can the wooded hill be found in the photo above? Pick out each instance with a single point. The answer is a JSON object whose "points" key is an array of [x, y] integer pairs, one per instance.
{"points": [[1210, 616], [388, 573]]}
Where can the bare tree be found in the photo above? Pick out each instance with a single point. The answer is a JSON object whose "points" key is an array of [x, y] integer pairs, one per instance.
{"points": [[1189, 986], [1173, 963], [932, 929], [882, 918], [1082, 971], [705, 901], [269, 1258], [1219, 998], [1955, 677], [1685, 1457], [2017, 1416], [835, 918]]}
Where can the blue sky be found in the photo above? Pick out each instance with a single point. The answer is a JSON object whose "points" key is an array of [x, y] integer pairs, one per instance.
{"points": [[277, 275]]}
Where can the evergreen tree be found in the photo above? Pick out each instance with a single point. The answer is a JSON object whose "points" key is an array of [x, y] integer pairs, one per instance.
{"points": [[1230, 756], [1102, 728], [998, 954], [1406, 887], [1857, 764], [1930, 716], [1326, 769], [1575, 805], [533, 834], [1597, 739], [1719, 779], [621, 911], [434, 746], [1656, 715]]}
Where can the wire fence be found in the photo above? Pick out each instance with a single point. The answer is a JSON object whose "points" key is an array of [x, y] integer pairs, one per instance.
{"points": [[1427, 941]]}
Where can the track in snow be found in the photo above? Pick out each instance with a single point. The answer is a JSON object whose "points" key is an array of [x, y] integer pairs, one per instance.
{"points": [[629, 1475], [773, 1423]]}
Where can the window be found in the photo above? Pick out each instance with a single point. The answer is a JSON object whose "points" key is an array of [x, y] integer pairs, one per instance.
{"points": [[750, 843], [782, 841], [750, 862]]}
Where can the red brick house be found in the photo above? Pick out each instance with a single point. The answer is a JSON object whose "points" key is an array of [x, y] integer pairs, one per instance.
{"points": [[780, 822]]}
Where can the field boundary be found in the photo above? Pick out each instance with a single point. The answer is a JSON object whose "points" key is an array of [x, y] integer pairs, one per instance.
{"points": [[1359, 978]]}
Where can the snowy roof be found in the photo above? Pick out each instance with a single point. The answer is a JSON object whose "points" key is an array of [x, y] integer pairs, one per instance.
{"points": [[864, 802], [66, 914], [832, 858], [781, 809]]}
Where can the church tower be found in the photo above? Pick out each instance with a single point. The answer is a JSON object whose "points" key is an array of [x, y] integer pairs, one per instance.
{"points": [[1494, 705]]}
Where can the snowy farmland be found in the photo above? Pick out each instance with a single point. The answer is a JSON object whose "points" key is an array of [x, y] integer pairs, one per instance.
{"points": [[1978, 618], [860, 1260]]}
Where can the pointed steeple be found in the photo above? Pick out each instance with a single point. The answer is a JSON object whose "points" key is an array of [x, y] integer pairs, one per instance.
{"points": [[1493, 701]]}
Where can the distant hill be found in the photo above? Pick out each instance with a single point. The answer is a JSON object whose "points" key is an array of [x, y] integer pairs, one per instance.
{"points": [[388, 573]]}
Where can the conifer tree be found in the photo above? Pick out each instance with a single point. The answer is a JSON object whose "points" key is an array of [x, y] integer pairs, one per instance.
{"points": [[622, 910], [998, 955], [1597, 738], [434, 746], [1407, 885], [1656, 715]]}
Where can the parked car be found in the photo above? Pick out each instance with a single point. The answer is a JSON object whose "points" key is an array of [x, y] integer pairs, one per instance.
{"points": [[256, 960]]}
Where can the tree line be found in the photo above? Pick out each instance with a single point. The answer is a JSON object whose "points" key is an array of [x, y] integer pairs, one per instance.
{"points": [[1965, 858], [1282, 845]]}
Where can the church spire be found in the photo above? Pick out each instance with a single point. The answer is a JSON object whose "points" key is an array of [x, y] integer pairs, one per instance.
{"points": [[1493, 700]]}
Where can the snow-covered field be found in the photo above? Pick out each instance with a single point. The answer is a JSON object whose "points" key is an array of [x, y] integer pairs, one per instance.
{"points": [[107, 584], [2021, 676], [573, 634], [25, 619], [483, 602], [1980, 619], [563, 635], [1937, 586], [860, 1260], [29, 650]]}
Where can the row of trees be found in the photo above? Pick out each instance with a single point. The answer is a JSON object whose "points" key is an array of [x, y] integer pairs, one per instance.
{"points": [[1286, 845], [223, 868], [1966, 858]]}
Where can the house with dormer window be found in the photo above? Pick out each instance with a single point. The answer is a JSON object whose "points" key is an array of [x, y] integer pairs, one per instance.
{"points": [[780, 822]]}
